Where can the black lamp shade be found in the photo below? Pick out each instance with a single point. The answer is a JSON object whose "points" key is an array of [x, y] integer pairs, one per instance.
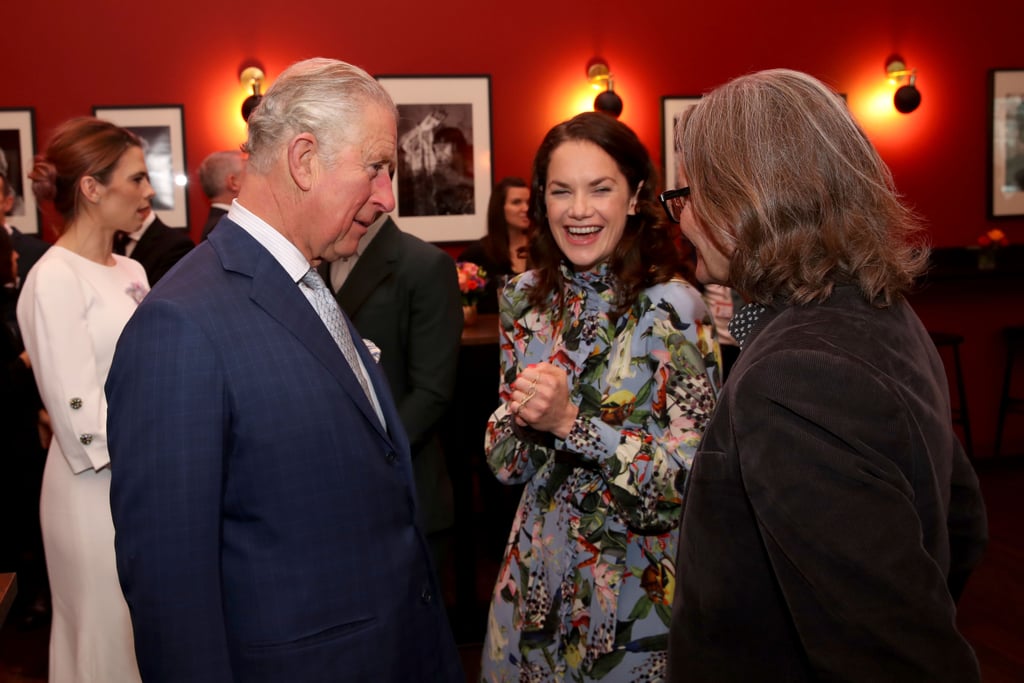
{"points": [[250, 103], [907, 99], [609, 103]]}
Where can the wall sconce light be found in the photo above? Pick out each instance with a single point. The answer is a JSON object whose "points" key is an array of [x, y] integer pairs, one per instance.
{"points": [[907, 97], [601, 78], [252, 78]]}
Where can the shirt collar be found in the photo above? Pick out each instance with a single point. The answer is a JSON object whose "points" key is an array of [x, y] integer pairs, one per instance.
{"points": [[743, 322], [283, 251], [146, 222]]}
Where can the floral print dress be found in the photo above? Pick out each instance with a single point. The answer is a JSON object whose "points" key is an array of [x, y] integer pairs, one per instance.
{"points": [[585, 588]]}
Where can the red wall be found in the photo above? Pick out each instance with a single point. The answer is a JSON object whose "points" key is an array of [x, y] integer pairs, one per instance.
{"points": [[64, 57], [63, 61]]}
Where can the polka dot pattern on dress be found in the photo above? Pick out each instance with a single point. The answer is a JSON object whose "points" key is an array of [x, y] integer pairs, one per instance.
{"points": [[744, 321]]}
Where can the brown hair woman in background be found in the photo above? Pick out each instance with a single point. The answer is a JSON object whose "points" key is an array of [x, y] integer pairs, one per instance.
{"points": [[72, 308], [502, 251]]}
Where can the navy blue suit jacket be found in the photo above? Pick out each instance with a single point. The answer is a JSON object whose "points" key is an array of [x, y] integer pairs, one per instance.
{"points": [[403, 294], [265, 519]]}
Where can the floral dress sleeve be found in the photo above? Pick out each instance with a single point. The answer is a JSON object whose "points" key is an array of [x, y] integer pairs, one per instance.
{"points": [[644, 391]]}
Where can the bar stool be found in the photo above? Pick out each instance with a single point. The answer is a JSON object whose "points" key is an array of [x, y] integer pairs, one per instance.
{"points": [[1009, 403], [959, 414]]}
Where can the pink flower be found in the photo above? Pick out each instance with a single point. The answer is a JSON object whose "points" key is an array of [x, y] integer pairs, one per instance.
{"points": [[994, 237], [472, 280]]}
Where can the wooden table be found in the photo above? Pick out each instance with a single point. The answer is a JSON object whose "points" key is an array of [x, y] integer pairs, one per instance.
{"points": [[483, 331], [8, 589]]}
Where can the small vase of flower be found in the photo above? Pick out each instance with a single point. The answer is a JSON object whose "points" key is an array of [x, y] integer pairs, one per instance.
{"points": [[472, 280], [989, 244]]}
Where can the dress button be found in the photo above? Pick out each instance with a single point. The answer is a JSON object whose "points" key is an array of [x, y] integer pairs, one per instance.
{"points": [[75, 403], [86, 439], [426, 596]]}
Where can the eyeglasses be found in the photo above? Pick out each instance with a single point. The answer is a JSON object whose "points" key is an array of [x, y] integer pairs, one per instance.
{"points": [[674, 201]]}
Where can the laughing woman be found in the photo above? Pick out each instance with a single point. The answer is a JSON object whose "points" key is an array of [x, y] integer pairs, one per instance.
{"points": [[607, 360], [75, 302]]}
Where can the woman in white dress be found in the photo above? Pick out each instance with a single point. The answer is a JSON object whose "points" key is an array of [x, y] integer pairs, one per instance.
{"points": [[73, 306]]}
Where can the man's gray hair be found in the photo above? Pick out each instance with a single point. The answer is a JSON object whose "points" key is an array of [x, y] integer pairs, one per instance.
{"points": [[215, 169], [324, 97]]}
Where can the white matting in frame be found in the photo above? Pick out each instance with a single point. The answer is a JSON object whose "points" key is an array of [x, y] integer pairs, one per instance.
{"points": [[672, 107], [17, 142], [162, 129], [443, 179], [1006, 143]]}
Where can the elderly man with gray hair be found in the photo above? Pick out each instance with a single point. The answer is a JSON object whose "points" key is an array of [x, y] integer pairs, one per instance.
{"points": [[262, 489], [220, 175]]}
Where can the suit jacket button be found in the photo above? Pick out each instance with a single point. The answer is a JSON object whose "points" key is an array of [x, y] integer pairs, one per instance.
{"points": [[86, 439], [75, 403], [426, 596], [390, 457]]}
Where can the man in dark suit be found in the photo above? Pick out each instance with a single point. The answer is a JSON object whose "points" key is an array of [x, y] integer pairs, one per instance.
{"points": [[154, 245], [403, 294], [29, 247], [220, 176], [263, 498]]}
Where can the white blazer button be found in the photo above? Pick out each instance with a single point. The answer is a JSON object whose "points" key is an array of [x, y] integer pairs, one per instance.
{"points": [[86, 439], [75, 403]]}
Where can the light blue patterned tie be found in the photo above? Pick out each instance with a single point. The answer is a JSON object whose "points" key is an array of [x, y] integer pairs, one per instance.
{"points": [[327, 308]]}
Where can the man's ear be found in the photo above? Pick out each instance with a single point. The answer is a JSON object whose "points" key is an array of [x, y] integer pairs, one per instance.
{"points": [[303, 160], [233, 183], [633, 200]]}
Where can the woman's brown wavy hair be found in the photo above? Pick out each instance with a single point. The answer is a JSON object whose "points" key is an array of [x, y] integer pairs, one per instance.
{"points": [[646, 254]]}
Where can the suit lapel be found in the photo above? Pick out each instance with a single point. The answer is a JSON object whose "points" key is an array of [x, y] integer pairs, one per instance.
{"points": [[147, 244], [375, 265], [274, 292]]}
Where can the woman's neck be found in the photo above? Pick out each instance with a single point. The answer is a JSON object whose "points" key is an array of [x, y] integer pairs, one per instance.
{"points": [[88, 240]]}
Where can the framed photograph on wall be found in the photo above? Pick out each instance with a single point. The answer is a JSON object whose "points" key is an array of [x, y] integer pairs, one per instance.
{"points": [[672, 107], [162, 129], [444, 175], [17, 152], [1006, 143]]}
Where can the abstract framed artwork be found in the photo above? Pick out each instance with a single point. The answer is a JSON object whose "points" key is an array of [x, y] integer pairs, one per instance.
{"points": [[162, 129], [444, 176], [672, 108], [17, 151], [1006, 143]]}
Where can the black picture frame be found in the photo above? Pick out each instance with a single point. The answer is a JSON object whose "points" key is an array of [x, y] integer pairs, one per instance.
{"points": [[17, 143], [672, 107], [162, 129], [1006, 144], [444, 176]]}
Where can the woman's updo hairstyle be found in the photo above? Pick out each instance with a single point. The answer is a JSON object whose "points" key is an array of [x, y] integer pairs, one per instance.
{"points": [[80, 147]]}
